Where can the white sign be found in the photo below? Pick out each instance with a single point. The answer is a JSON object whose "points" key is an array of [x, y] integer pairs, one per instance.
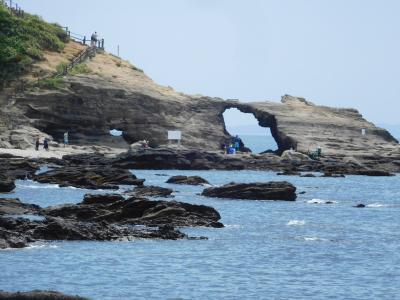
{"points": [[363, 131], [174, 135]]}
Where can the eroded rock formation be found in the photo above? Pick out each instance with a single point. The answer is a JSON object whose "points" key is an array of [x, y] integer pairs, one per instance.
{"points": [[116, 96], [100, 217]]}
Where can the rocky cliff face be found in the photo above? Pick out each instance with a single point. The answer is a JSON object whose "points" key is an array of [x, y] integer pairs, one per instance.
{"points": [[115, 95]]}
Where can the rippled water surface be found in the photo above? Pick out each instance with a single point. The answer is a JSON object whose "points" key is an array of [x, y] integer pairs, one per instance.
{"points": [[268, 250]]}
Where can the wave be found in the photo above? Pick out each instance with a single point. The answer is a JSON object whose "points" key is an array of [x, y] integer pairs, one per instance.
{"points": [[311, 238], [377, 205], [44, 186], [296, 223], [41, 246], [233, 226], [321, 201]]}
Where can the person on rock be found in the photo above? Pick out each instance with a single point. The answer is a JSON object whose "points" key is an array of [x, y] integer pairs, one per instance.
{"points": [[46, 144], [66, 139], [37, 143], [236, 142]]}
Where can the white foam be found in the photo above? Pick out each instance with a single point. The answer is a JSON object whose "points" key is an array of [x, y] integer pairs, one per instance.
{"points": [[321, 201], [233, 226], [376, 205], [47, 186], [296, 223], [41, 246], [313, 238]]}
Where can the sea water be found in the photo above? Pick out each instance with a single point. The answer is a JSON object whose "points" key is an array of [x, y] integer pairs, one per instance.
{"points": [[259, 143], [268, 249]]}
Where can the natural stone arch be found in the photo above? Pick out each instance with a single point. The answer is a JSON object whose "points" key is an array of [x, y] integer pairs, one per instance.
{"points": [[254, 137], [266, 120]]}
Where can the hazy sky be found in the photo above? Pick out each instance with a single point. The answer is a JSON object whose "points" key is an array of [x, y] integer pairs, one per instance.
{"points": [[338, 53]]}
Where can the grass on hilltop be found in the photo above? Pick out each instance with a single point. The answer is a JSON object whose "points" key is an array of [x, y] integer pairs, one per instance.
{"points": [[23, 40]]}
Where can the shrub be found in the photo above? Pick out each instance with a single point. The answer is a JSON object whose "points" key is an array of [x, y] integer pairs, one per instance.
{"points": [[22, 41], [54, 83], [80, 69]]}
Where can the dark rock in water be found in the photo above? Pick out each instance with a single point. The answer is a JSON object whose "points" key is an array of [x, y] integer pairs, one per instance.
{"points": [[105, 217], [329, 202], [138, 211], [90, 177], [373, 173], [360, 205], [38, 295], [308, 175], [152, 191], [328, 174], [191, 180], [6, 184], [16, 207], [302, 193], [280, 190]]}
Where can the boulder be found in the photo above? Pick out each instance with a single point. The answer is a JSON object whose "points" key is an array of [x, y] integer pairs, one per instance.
{"points": [[89, 177], [16, 207], [136, 210], [190, 180], [152, 191], [274, 190], [292, 155], [373, 173], [101, 199], [6, 184]]}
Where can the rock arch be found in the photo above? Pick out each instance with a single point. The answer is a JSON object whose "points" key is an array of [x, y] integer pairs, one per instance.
{"points": [[266, 120]]}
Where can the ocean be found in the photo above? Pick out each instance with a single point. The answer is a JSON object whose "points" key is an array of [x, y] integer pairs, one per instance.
{"points": [[259, 143], [267, 250]]}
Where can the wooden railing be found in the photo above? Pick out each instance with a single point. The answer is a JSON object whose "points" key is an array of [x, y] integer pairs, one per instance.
{"points": [[88, 52], [99, 43], [13, 7]]}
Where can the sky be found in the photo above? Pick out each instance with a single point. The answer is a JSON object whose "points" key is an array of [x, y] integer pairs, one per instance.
{"points": [[342, 53]]}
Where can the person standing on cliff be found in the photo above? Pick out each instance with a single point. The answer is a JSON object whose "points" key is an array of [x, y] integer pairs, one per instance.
{"points": [[93, 39], [65, 139]]}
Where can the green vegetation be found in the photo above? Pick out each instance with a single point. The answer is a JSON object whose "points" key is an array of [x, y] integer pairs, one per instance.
{"points": [[22, 41], [61, 67], [79, 69], [54, 83]]}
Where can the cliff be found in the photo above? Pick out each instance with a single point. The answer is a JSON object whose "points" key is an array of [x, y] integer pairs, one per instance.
{"points": [[114, 94]]}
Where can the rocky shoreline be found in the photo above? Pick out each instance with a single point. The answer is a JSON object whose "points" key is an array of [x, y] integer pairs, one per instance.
{"points": [[116, 217], [101, 217]]}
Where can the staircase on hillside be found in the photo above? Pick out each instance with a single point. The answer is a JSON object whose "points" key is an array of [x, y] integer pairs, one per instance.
{"points": [[88, 52]]}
